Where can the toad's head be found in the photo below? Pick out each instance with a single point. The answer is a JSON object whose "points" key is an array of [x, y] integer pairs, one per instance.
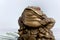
{"points": [[32, 16]]}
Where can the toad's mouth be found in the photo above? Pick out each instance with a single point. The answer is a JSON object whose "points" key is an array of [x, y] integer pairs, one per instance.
{"points": [[33, 19], [32, 23]]}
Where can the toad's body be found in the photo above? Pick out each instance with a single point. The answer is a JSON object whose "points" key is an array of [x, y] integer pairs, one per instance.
{"points": [[34, 25]]}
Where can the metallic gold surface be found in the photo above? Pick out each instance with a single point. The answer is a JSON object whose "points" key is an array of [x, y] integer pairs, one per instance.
{"points": [[35, 25]]}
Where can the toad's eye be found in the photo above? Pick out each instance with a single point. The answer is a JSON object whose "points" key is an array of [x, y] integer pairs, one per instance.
{"points": [[29, 13]]}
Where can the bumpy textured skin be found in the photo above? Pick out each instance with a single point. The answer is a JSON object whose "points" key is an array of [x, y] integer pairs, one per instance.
{"points": [[35, 25]]}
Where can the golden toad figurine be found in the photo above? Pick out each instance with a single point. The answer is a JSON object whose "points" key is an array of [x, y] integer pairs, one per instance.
{"points": [[35, 25]]}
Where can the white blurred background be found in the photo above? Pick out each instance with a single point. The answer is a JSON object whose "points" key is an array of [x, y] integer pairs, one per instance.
{"points": [[10, 10]]}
